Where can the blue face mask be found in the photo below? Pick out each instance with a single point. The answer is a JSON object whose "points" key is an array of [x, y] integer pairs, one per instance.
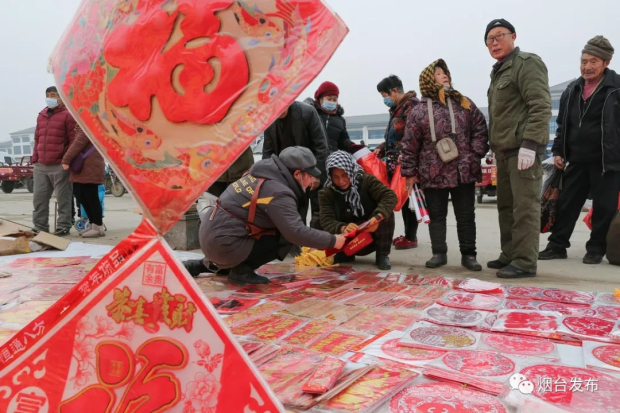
{"points": [[51, 102], [388, 102], [329, 106]]}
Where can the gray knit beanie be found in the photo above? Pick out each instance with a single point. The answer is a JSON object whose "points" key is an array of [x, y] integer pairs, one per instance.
{"points": [[599, 46]]}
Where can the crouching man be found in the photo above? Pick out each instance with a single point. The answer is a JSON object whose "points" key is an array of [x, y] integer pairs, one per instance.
{"points": [[257, 219]]}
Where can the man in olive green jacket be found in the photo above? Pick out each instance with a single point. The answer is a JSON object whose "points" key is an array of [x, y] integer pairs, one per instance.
{"points": [[519, 115]]}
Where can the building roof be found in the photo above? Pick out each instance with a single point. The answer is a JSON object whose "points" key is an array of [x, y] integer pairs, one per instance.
{"points": [[21, 132], [560, 88], [355, 122]]}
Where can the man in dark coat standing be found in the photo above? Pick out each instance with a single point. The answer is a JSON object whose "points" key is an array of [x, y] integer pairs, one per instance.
{"points": [[300, 125], [588, 138]]}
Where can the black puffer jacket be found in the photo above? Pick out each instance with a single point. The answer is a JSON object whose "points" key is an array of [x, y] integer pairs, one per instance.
{"points": [[307, 132], [610, 130], [335, 126]]}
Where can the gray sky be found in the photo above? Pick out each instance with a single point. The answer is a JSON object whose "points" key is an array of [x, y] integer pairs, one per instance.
{"points": [[389, 36]]}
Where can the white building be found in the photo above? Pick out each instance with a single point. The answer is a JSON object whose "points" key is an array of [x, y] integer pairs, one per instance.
{"points": [[20, 143]]}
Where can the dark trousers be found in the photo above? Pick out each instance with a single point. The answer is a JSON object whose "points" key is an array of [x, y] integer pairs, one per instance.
{"points": [[411, 222], [579, 180], [463, 203], [264, 251], [382, 238], [88, 196]]}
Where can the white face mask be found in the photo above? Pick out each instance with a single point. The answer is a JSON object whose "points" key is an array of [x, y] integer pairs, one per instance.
{"points": [[51, 102]]}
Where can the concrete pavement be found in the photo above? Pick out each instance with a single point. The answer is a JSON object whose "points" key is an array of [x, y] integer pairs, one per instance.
{"points": [[571, 273]]}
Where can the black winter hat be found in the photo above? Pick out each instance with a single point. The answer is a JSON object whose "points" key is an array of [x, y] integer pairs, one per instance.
{"points": [[498, 23]]}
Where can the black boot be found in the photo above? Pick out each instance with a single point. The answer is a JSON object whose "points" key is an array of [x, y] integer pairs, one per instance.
{"points": [[243, 275], [551, 254], [592, 258], [196, 267], [438, 260], [342, 258], [469, 262], [512, 272], [383, 262], [497, 264]]}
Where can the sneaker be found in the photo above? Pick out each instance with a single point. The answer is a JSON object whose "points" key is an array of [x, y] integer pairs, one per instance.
{"points": [[95, 231], [404, 244], [383, 262], [512, 272], [62, 232], [551, 254], [469, 262], [438, 260], [592, 258]]}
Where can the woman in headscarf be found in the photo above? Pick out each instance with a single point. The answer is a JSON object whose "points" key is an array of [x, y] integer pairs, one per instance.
{"points": [[352, 197], [440, 180]]}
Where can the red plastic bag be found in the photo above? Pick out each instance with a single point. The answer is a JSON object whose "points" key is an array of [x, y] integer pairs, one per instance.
{"points": [[373, 165], [588, 218], [399, 186]]}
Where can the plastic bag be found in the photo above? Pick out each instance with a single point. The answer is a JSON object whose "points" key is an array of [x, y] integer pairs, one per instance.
{"points": [[373, 165], [399, 186], [549, 201], [588, 218]]}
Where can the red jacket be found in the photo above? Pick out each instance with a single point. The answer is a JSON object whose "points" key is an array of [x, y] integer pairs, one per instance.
{"points": [[54, 133]]}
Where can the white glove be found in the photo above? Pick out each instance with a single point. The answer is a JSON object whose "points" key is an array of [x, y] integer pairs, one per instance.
{"points": [[526, 158]]}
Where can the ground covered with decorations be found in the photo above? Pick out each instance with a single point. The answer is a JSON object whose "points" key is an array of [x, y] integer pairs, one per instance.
{"points": [[340, 340]]}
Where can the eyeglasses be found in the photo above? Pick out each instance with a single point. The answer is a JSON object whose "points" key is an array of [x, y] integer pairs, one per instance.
{"points": [[499, 38]]}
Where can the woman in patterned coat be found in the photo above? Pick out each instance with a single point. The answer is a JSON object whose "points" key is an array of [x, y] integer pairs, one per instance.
{"points": [[439, 180]]}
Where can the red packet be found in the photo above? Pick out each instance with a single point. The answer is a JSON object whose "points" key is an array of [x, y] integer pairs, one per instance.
{"points": [[324, 376], [358, 240]]}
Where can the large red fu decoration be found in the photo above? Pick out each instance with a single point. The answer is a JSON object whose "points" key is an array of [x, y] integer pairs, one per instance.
{"points": [[170, 92]]}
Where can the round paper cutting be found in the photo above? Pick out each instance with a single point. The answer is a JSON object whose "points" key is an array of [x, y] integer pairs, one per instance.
{"points": [[589, 326], [392, 349], [609, 311], [608, 298], [471, 301], [523, 292], [565, 296], [520, 305], [608, 355], [479, 363], [443, 337], [453, 315], [568, 309], [519, 345], [598, 393], [443, 398]]}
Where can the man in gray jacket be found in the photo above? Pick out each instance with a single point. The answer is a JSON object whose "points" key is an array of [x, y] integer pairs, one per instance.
{"points": [[257, 218]]}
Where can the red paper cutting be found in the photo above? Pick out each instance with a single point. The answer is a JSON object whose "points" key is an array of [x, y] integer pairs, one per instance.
{"points": [[172, 92], [111, 331], [443, 398], [324, 376]]}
